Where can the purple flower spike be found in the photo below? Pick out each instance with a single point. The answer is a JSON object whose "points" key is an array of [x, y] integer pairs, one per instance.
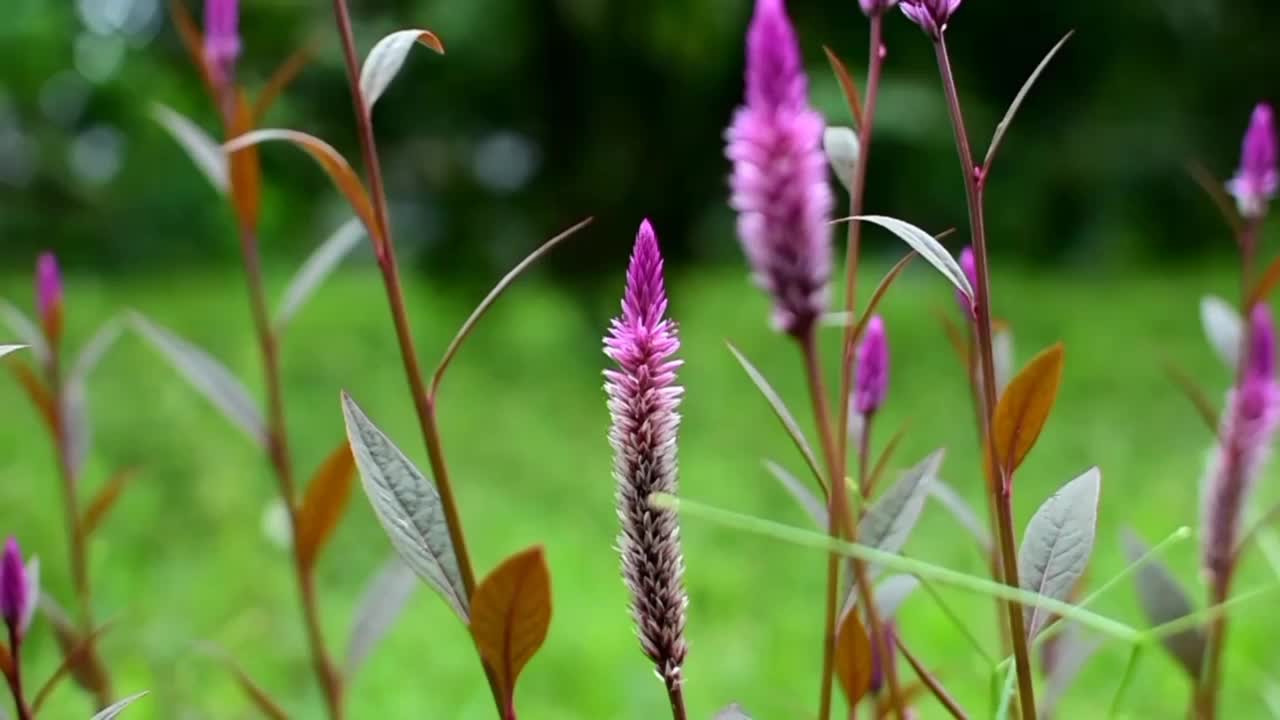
{"points": [[49, 294], [1262, 343], [871, 379], [222, 36], [18, 589], [779, 181], [970, 267], [876, 7], [1257, 179], [643, 399], [931, 15]]}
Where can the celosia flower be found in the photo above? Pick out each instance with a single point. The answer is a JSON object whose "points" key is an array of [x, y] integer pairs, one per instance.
{"points": [[19, 586], [876, 7], [779, 181], [222, 36], [643, 399], [1257, 179], [931, 15], [49, 295], [871, 377], [970, 267], [1248, 426]]}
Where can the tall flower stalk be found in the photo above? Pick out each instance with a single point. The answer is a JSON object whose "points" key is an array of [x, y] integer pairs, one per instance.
{"points": [[643, 401]]}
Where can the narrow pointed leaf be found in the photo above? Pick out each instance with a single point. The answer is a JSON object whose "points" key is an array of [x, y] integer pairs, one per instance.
{"points": [[384, 599], [82, 659], [6, 660], [1196, 394], [960, 509], [330, 160], [6, 349], [80, 653], [848, 87], [252, 690], [956, 339], [118, 707], [105, 500], [1266, 283], [1163, 600], [208, 376], [283, 76], [892, 592], [510, 616], [318, 267], [1002, 358], [803, 496], [245, 168], [1023, 408], [841, 147], [882, 463], [881, 290], [783, 414], [36, 392], [853, 659], [325, 501], [387, 57], [1003, 127], [732, 712], [193, 41], [204, 151], [1214, 188], [24, 331], [408, 506], [1223, 328], [1058, 542], [890, 519], [78, 428], [928, 248]]}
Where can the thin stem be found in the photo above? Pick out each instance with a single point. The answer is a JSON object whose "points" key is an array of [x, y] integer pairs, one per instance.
{"points": [[973, 183], [933, 684], [675, 693], [880, 638], [993, 556], [423, 405], [15, 677]]}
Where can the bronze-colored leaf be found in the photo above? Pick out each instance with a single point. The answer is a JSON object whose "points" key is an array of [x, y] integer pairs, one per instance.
{"points": [[6, 661], [956, 338], [106, 499], [853, 661], [323, 505], [83, 663], [37, 391], [1024, 408], [847, 84], [510, 615], [1266, 283], [283, 76], [246, 168], [331, 161], [82, 652], [193, 41]]}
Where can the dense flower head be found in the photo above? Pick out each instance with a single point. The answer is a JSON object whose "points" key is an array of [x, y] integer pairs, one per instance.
{"points": [[222, 36], [871, 378], [1257, 178], [779, 180], [18, 589], [970, 267], [931, 15], [643, 401]]}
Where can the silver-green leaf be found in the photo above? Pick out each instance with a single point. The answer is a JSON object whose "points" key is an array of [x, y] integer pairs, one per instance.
{"points": [[732, 712], [1163, 600], [384, 599], [890, 519], [206, 375], [24, 330], [387, 57], [803, 496], [6, 349], [961, 511], [318, 267], [842, 147], [1057, 544], [116, 708], [408, 506], [204, 151], [76, 394], [928, 248], [1223, 328]]}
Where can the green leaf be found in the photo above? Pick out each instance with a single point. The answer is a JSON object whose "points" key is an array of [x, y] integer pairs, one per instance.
{"points": [[408, 506], [1223, 328], [387, 57], [1007, 120], [318, 267], [889, 521], [6, 349], [803, 496], [928, 248], [204, 151], [1057, 544], [117, 708], [1163, 600], [780, 410], [384, 599]]}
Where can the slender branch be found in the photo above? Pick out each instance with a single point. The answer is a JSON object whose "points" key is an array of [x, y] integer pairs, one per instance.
{"points": [[933, 684], [675, 693], [14, 677], [973, 183], [879, 638]]}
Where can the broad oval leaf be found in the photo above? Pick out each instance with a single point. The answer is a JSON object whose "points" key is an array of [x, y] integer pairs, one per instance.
{"points": [[318, 267], [323, 504], [1057, 544], [384, 599], [329, 159], [854, 658], [802, 494], [928, 248], [408, 506], [842, 149], [25, 331], [105, 500], [204, 151], [1223, 328], [510, 616], [387, 57], [208, 376], [1163, 600], [6, 349], [890, 519], [116, 708], [1023, 408]]}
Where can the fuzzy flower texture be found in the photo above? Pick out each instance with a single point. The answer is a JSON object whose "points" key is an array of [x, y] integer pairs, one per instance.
{"points": [[1257, 179], [643, 399], [222, 36], [1248, 426], [779, 181], [19, 586]]}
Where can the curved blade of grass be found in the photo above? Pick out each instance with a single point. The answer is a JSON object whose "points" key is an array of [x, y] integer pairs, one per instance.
{"points": [[492, 297], [1130, 668], [1009, 114], [898, 563], [783, 414]]}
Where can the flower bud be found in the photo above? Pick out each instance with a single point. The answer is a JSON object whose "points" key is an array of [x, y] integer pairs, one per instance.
{"points": [[49, 295], [931, 15], [871, 379], [19, 585], [1257, 179]]}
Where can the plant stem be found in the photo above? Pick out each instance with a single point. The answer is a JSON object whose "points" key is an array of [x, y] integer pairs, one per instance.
{"points": [[675, 693], [879, 638], [933, 684], [423, 403], [973, 183], [15, 677], [993, 556]]}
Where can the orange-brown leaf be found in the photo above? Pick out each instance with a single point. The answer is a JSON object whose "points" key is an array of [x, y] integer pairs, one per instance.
{"points": [[1266, 284], [106, 499], [323, 505], [245, 168], [37, 391], [6, 661], [281, 79], [193, 41], [82, 652], [1024, 408], [853, 657], [956, 338], [847, 85], [510, 615]]}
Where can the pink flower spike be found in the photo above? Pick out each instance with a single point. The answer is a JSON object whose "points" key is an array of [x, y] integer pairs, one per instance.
{"points": [[779, 181], [1257, 179], [931, 15], [49, 295], [643, 398], [19, 585], [222, 36], [871, 375]]}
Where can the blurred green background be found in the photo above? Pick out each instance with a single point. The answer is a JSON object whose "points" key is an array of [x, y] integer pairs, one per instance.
{"points": [[543, 112]]}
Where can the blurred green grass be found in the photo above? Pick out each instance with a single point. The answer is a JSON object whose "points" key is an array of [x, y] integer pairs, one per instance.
{"points": [[184, 558]]}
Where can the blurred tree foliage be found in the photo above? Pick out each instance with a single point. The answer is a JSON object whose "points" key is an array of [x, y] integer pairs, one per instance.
{"points": [[545, 111]]}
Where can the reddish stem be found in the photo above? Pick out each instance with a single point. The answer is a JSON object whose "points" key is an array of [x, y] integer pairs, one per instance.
{"points": [[14, 677]]}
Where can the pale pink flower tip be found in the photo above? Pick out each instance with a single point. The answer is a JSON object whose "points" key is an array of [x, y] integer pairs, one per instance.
{"points": [[1257, 179], [931, 15], [48, 285], [871, 378]]}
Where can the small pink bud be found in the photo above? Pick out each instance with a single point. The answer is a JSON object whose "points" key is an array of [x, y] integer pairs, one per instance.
{"points": [[49, 295], [871, 379], [1257, 179], [18, 589]]}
